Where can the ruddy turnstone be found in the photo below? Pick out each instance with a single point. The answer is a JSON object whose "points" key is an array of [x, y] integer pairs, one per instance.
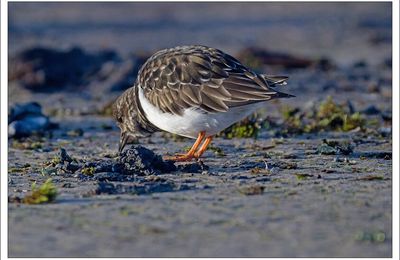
{"points": [[191, 91]]}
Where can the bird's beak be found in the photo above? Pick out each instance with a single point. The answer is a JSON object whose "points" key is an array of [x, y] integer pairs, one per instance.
{"points": [[122, 141]]}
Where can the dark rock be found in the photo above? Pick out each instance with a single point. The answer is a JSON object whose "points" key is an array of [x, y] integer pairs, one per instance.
{"points": [[142, 161], [334, 147], [27, 119], [377, 155], [326, 149], [371, 110], [71, 167], [28, 126], [66, 168], [63, 155], [67, 185], [135, 162]]}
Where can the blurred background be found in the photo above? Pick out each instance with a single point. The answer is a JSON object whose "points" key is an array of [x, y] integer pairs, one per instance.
{"points": [[112, 40], [345, 31]]}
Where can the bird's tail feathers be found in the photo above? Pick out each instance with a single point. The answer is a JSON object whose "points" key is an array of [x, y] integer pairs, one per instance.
{"points": [[274, 81], [283, 95]]}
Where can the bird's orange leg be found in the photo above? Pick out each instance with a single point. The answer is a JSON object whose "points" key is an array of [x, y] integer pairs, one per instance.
{"points": [[189, 155], [203, 148]]}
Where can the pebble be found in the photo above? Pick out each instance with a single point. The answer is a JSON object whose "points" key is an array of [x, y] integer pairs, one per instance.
{"points": [[371, 110]]}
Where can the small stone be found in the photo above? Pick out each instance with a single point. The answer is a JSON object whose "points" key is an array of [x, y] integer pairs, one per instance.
{"points": [[371, 110], [326, 149], [64, 157]]}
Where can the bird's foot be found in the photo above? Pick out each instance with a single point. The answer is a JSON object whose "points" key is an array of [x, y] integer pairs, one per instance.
{"points": [[180, 158]]}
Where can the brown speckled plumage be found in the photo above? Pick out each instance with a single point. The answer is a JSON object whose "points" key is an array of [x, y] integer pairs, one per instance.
{"points": [[202, 77]]}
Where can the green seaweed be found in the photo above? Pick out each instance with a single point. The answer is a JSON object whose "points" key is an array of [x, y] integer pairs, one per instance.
{"points": [[327, 116], [23, 168], [53, 162], [15, 169], [217, 151], [374, 236], [27, 144], [247, 128], [303, 176], [89, 171], [46, 193], [352, 121]]}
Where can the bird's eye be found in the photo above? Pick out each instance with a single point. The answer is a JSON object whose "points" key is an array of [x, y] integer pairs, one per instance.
{"points": [[119, 119]]}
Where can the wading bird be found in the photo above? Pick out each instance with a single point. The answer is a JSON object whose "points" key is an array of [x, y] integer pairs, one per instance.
{"points": [[191, 91]]}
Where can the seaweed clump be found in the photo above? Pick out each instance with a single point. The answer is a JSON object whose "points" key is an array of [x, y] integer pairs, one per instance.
{"points": [[247, 128], [328, 116], [46, 193]]}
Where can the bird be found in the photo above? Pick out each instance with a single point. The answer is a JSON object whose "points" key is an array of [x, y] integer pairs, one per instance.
{"points": [[192, 91]]}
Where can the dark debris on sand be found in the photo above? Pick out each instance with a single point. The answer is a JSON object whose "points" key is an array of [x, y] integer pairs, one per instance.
{"points": [[140, 187], [134, 162], [143, 161]]}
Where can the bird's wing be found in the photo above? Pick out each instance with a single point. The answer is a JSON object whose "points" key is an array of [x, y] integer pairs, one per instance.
{"points": [[200, 77]]}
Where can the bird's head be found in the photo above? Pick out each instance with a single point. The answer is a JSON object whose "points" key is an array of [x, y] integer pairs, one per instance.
{"points": [[125, 114]]}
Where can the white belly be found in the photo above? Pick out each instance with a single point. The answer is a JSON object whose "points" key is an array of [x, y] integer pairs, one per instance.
{"points": [[193, 121]]}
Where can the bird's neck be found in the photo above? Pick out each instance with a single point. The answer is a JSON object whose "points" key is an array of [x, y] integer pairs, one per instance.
{"points": [[141, 116]]}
